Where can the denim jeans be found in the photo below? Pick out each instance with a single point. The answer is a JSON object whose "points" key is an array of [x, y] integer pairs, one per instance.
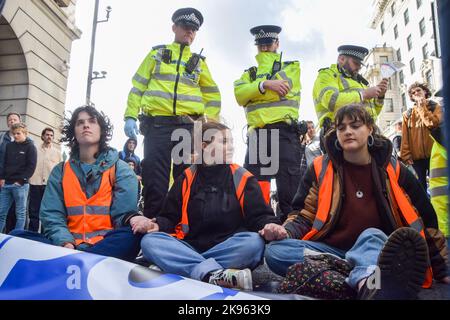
{"points": [[119, 243], [242, 250], [363, 256], [18, 194]]}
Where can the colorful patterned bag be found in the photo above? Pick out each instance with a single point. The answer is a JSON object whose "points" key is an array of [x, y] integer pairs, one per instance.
{"points": [[319, 276]]}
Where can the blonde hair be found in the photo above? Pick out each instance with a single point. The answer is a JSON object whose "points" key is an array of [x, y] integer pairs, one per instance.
{"points": [[20, 126]]}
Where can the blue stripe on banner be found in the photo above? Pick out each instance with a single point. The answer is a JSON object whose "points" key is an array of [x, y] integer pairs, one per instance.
{"points": [[5, 241], [50, 279], [221, 295], [161, 281]]}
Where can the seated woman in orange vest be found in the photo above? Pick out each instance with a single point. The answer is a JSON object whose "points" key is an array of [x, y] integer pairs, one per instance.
{"points": [[208, 228], [350, 200], [90, 200]]}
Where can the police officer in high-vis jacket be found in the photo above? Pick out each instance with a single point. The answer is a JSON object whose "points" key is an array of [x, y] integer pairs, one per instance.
{"points": [[270, 95], [172, 88], [341, 85]]}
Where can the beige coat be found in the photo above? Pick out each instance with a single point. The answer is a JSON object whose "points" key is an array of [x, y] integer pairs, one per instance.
{"points": [[47, 158]]}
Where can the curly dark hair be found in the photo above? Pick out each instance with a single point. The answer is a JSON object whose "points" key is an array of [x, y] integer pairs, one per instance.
{"points": [[68, 129], [423, 86]]}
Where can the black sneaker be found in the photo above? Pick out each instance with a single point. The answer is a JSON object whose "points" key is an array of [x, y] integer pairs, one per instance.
{"points": [[402, 263]]}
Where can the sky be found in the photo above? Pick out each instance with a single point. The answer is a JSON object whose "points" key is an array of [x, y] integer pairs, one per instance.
{"points": [[312, 31]]}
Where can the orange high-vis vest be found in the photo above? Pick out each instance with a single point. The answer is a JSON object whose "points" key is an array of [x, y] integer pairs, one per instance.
{"points": [[324, 171], [88, 219], [240, 178]]}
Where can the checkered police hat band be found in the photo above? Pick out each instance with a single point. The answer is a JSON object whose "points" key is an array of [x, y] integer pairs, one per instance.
{"points": [[188, 17], [264, 35], [353, 53]]}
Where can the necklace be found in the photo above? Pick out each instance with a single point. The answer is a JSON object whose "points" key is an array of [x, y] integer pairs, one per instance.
{"points": [[359, 193]]}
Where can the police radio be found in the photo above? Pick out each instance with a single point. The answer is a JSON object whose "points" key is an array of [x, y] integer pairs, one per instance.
{"points": [[276, 67], [193, 62], [252, 73], [166, 55]]}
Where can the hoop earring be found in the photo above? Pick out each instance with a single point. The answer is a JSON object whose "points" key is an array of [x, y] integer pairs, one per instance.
{"points": [[337, 145], [370, 141]]}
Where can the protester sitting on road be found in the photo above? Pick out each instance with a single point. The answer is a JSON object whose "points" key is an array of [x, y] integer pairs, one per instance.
{"points": [[90, 200], [208, 228], [354, 203]]}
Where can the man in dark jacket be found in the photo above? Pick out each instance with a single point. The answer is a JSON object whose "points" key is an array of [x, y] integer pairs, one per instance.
{"points": [[128, 153], [18, 166]]}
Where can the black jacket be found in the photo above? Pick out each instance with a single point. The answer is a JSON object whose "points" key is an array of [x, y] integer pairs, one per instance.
{"points": [[19, 162], [214, 212]]}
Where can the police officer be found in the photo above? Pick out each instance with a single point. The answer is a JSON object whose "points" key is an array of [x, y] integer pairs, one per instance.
{"points": [[172, 88], [341, 85], [270, 95]]}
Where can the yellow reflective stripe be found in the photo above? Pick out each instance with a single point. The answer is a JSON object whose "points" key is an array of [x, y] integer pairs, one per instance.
{"points": [[213, 89], [284, 76], [438, 191], [136, 91], [173, 78], [140, 79], [170, 96], [438, 172], [213, 104], [283, 103]]}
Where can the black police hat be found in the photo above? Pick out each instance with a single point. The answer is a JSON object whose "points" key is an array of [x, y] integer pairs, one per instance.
{"points": [[188, 17], [266, 34], [356, 52]]}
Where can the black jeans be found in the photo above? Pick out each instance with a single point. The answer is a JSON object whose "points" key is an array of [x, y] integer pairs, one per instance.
{"points": [[288, 175], [157, 159], [36, 194], [422, 168], [11, 218]]}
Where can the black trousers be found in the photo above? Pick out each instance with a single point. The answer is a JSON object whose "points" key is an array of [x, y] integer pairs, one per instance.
{"points": [[36, 195], [158, 160], [422, 168], [288, 174]]}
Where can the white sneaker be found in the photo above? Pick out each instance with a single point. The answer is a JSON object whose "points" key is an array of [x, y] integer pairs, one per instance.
{"points": [[232, 278]]}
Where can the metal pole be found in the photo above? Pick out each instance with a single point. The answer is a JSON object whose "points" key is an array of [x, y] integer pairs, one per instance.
{"points": [[91, 59]]}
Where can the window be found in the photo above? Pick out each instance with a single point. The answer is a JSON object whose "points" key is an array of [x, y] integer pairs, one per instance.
{"points": [[425, 51], [412, 66], [395, 32], [401, 77], [384, 59], [388, 105], [419, 3], [399, 55], [406, 16], [382, 28], [422, 27], [404, 106], [429, 77], [409, 41], [393, 9]]}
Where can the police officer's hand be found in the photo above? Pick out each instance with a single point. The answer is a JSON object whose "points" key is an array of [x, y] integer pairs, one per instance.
{"points": [[273, 231], [131, 129], [383, 85], [279, 86], [372, 92]]}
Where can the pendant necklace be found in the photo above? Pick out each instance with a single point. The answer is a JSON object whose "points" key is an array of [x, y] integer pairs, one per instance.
{"points": [[359, 193]]}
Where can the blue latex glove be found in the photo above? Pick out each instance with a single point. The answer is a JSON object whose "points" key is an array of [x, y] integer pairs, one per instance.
{"points": [[131, 129]]}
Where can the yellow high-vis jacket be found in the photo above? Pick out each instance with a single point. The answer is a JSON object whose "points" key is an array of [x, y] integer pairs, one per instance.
{"points": [[268, 107], [162, 87], [333, 90], [439, 184]]}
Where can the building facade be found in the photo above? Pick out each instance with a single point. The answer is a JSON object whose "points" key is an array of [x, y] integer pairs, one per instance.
{"points": [[408, 32], [35, 43]]}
